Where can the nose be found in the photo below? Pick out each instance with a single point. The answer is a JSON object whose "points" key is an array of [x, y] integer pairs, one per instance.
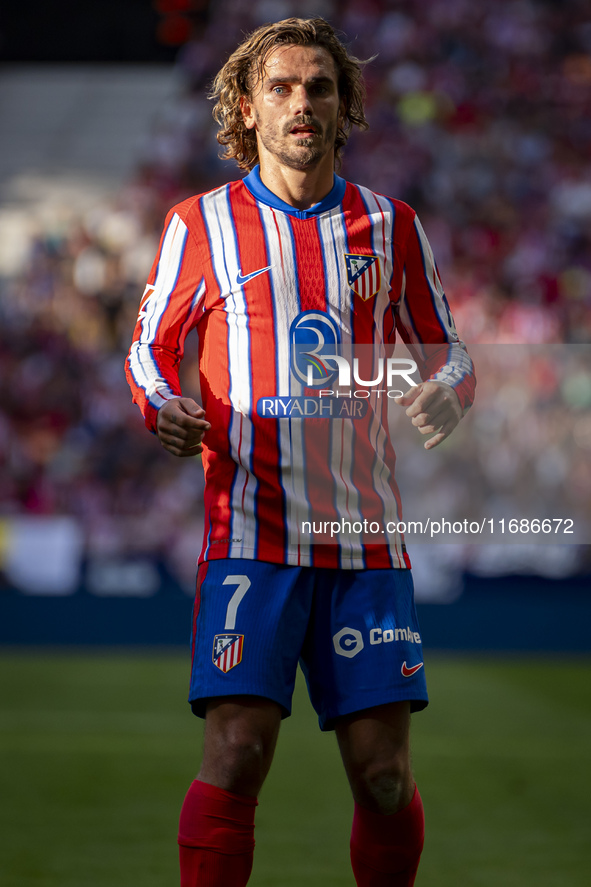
{"points": [[301, 100]]}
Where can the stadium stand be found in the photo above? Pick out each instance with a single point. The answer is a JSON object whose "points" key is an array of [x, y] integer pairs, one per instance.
{"points": [[480, 118]]}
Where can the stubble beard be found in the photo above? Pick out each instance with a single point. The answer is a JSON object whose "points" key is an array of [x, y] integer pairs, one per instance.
{"points": [[308, 152]]}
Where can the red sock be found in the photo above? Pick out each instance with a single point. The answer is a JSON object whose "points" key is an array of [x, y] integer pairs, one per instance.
{"points": [[216, 837], [385, 850]]}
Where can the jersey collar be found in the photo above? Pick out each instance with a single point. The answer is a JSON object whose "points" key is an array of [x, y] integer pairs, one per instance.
{"points": [[264, 195]]}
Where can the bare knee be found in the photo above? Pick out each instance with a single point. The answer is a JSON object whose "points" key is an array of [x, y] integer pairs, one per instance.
{"points": [[383, 785], [240, 738], [238, 752], [375, 748]]}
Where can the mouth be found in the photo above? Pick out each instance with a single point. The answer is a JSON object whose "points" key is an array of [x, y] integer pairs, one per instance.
{"points": [[304, 130]]}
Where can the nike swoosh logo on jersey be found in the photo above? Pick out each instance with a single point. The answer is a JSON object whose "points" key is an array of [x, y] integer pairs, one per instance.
{"points": [[240, 279], [408, 672]]}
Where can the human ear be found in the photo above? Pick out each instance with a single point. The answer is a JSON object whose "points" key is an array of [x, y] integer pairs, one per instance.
{"points": [[247, 112]]}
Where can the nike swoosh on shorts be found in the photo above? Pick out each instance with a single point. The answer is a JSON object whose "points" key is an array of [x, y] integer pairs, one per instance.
{"points": [[408, 672]]}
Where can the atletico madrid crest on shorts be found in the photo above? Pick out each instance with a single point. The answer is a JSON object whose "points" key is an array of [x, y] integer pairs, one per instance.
{"points": [[227, 651], [363, 275]]}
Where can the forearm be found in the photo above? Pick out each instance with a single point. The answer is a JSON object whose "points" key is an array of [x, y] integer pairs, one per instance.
{"points": [[152, 374], [452, 365]]}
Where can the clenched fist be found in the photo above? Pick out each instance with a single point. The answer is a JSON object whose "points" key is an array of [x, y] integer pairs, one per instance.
{"points": [[181, 425], [434, 408]]}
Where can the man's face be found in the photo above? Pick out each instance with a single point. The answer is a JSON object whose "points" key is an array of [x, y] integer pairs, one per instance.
{"points": [[295, 106]]}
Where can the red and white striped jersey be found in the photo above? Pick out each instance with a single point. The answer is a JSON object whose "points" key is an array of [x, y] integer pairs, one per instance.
{"points": [[253, 275]]}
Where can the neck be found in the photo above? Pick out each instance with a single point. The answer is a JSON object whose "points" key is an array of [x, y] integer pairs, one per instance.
{"points": [[301, 188]]}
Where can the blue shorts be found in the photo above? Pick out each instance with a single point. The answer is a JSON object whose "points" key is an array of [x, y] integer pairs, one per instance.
{"points": [[355, 633]]}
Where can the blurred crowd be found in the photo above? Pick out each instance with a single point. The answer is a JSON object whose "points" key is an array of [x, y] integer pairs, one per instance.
{"points": [[520, 458], [480, 117]]}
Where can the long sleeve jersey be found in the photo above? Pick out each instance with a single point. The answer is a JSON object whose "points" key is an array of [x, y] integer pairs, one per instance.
{"points": [[273, 292]]}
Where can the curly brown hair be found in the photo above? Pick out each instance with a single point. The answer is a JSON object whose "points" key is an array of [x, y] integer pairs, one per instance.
{"points": [[244, 69]]}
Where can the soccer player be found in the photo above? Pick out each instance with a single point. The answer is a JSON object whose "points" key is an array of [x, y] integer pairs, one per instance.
{"points": [[276, 272]]}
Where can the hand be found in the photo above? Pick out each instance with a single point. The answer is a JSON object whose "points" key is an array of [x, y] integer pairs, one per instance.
{"points": [[434, 408], [181, 425]]}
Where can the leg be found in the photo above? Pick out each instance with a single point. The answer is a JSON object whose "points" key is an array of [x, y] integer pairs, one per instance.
{"points": [[249, 622], [240, 737], [388, 824], [375, 747], [216, 830]]}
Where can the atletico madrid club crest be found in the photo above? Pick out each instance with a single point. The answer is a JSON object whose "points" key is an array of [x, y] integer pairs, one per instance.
{"points": [[227, 651], [363, 275]]}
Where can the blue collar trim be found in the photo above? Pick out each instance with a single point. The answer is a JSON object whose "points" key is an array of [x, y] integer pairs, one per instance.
{"points": [[264, 195]]}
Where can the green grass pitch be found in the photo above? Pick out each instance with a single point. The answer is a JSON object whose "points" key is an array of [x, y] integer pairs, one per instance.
{"points": [[97, 750]]}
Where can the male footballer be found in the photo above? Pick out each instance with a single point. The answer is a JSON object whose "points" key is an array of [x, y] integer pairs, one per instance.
{"points": [[294, 254]]}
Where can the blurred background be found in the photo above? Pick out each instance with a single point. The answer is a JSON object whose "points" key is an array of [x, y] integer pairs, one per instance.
{"points": [[480, 118]]}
